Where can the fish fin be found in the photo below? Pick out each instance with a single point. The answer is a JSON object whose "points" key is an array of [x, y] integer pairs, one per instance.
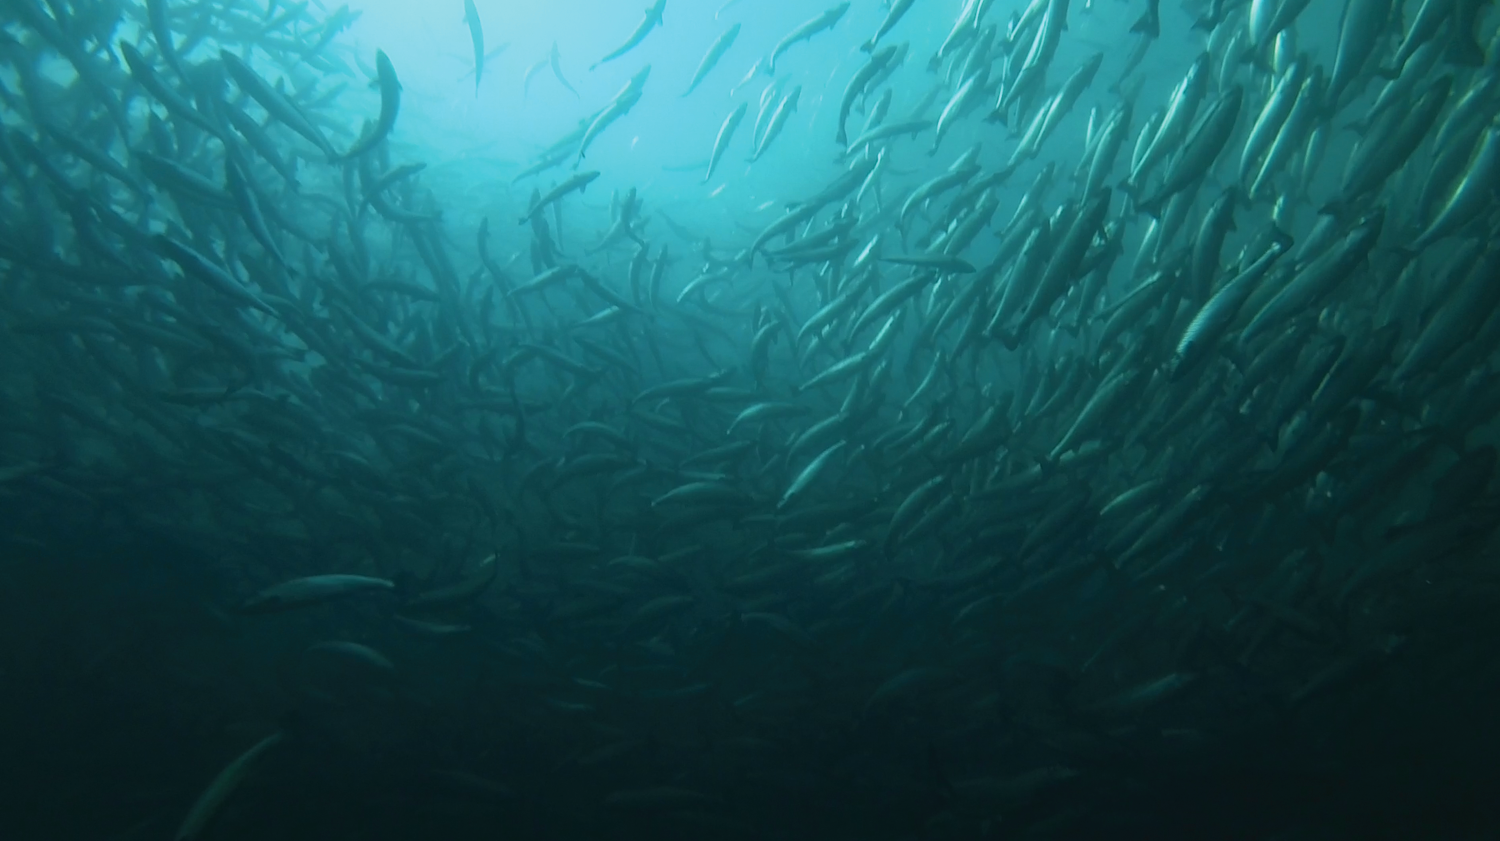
{"points": [[1148, 24]]}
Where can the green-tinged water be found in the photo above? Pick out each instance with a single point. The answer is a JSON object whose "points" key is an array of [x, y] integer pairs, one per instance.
{"points": [[923, 421]]}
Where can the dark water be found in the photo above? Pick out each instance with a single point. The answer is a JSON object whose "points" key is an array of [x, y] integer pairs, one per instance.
{"points": [[1106, 453]]}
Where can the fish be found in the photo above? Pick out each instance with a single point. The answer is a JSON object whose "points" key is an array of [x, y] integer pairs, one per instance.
{"points": [[1219, 311], [275, 104], [1360, 29], [1149, 23], [857, 85], [1293, 134], [161, 33], [145, 75], [883, 132], [198, 819], [554, 59], [726, 134], [476, 34], [1319, 277], [1037, 59], [710, 60], [810, 474], [1178, 120], [196, 265], [896, 11], [937, 262], [578, 181], [390, 106], [652, 20], [248, 204], [822, 22], [1200, 149], [1471, 196], [621, 105], [313, 590], [784, 110], [1273, 116]]}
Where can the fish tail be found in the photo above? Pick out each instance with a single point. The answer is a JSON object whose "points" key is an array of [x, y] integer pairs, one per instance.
{"points": [[1148, 25]]}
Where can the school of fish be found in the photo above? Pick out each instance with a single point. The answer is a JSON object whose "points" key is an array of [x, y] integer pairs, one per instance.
{"points": [[1072, 431]]}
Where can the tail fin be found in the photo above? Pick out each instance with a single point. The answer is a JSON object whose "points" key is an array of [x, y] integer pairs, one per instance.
{"points": [[1148, 24]]}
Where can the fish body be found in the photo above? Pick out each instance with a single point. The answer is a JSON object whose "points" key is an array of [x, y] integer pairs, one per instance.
{"points": [[784, 111], [1360, 31], [711, 59], [1218, 313], [1272, 117], [196, 824], [1293, 133], [578, 181], [200, 267], [827, 20], [390, 106], [652, 20], [726, 134], [616, 109], [476, 35], [1200, 150], [1178, 120], [857, 86], [554, 59], [313, 590], [275, 104], [1474, 193], [144, 74], [161, 31], [893, 15], [1313, 282]]}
